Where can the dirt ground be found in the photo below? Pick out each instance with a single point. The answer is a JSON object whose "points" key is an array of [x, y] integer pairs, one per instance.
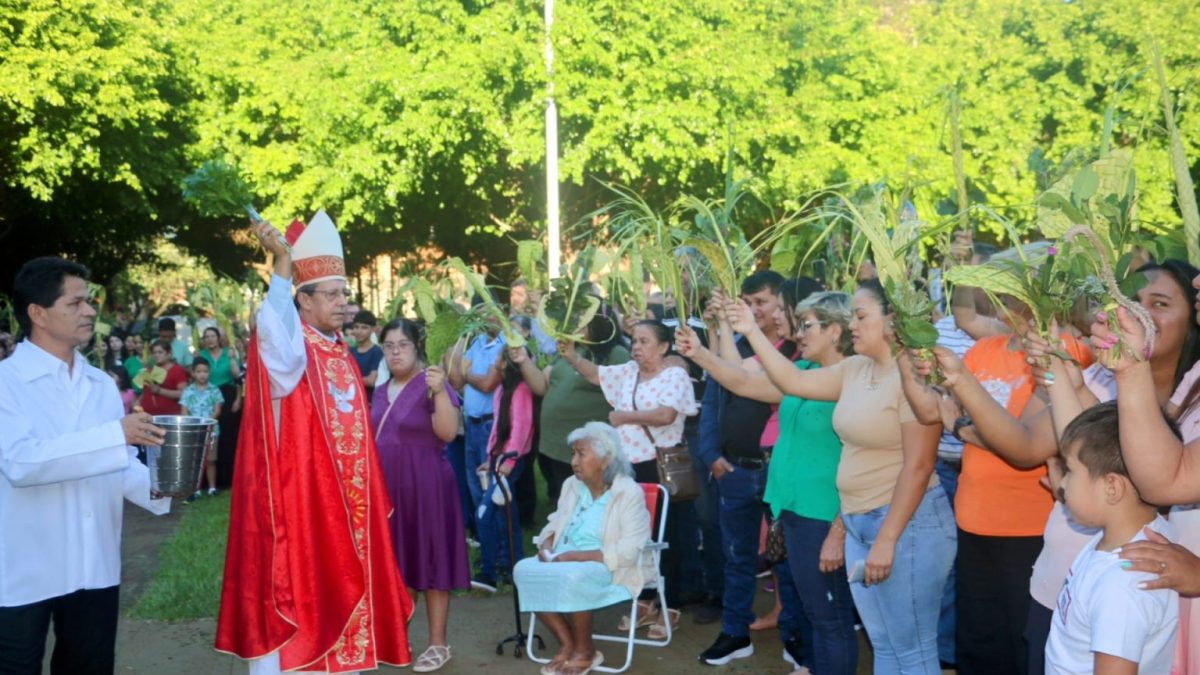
{"points": [[476, 624]]}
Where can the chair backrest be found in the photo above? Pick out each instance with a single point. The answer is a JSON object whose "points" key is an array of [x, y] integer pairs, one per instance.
{"points": [[657, 503]]}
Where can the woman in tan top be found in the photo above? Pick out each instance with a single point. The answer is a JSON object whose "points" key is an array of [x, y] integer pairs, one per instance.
{"points": [[899, 530]]}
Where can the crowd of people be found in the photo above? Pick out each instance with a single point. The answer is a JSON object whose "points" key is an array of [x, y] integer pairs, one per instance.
{"points": [[1011, 518]]}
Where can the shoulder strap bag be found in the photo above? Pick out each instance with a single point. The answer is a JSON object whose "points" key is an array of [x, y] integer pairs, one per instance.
{"points": [[675, 470]]}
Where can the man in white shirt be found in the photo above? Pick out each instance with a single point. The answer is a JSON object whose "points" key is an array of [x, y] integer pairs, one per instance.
{"points": [[66, 466]]}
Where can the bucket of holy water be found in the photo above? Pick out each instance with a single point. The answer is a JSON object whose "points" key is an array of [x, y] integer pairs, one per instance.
{"points": [[176, 464]]}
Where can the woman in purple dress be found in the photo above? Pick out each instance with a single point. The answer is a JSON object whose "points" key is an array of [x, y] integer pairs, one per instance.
{"points": [[414, 415]]}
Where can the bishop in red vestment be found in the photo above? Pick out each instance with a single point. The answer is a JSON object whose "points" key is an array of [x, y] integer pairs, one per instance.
{"points": [[311, 581]]}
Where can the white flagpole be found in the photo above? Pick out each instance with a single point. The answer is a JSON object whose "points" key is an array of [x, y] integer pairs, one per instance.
{"points": [[552, 225]]}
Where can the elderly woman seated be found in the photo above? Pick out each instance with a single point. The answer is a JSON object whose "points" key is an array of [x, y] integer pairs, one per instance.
{"points": [[590, 552]]}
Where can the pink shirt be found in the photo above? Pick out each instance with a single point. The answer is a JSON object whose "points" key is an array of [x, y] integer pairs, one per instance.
{"points": [[520, 437], [770, 433], [127, 397]]}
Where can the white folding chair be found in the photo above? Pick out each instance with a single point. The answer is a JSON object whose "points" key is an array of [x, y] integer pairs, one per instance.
{"points": [[657, 503]]}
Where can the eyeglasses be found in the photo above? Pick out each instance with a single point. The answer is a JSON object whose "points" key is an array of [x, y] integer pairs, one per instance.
{"points": [[806, 326], [396, 347], [333, 294]]}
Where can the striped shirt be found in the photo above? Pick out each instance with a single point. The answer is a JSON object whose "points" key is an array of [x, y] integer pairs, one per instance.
{"points": [[953, 338]]}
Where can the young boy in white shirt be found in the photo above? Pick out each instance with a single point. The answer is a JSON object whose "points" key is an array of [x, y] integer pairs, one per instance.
{"points": [[1105, 623]]}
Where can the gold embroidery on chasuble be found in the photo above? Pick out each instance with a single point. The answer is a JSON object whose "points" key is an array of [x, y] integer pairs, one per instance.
{"points": [[354, 646], [344, 408]]}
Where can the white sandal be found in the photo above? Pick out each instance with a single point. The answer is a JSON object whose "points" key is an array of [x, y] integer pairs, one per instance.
{"points": [[647, 614], [433, 658]]}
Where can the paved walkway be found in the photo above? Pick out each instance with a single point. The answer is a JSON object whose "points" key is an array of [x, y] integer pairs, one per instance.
{"points": [[477, 622]]}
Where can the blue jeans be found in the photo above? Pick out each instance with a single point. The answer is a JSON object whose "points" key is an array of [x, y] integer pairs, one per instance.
{"points": [[741, 514], [456, 452], [948, 472], [476, 439], [901, 614], [493, 529], [712, 558], [824, 596], [793, 621]]}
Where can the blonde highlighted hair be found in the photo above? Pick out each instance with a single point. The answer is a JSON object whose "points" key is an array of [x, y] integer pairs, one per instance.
{"points": [[830, 307]]}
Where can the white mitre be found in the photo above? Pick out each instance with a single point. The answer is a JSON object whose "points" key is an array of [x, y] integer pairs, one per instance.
{"points": [[316, 251]]}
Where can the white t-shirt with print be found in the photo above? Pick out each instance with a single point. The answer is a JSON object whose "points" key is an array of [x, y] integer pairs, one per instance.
{"points": [[1101, 609]]}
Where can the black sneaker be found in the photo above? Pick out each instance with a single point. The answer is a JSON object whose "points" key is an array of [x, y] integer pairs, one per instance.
{"points": [[483, 583], [792, 653], [726, 649], [709, 612]]}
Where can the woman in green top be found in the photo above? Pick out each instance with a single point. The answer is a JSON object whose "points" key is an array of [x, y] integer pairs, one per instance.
{"points": [[802, 479], [225, 370], [568, 400], [134, 363], [225, 376]]}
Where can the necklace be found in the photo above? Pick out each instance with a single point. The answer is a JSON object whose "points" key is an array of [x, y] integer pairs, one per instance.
{"points": [[869, 377]]}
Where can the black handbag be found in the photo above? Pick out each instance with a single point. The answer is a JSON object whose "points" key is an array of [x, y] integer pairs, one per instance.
{"points": [[776, 544]]}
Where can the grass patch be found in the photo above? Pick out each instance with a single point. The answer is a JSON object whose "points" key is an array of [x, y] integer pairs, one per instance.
{"points": [[187, 584]]}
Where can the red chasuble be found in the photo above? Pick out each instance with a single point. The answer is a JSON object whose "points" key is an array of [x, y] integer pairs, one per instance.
{"points": [[310, 570]]}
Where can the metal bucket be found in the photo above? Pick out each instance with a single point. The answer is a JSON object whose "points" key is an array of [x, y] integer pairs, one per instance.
{"points": [[175, 465]]}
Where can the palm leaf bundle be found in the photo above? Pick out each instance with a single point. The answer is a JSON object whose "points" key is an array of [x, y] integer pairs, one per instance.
{"points": [[1185, 189], [1097, 202], [490, 307], [894, 237], [1048, 279], [636, 229], [565, 311], [155, 375], [531, 262]]}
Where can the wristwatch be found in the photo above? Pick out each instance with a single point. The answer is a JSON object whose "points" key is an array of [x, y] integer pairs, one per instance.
{"points": [[964, 420]]}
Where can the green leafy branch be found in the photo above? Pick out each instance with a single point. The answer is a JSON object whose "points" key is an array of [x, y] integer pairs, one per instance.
{"points": [[218, 189], [565, 311]]}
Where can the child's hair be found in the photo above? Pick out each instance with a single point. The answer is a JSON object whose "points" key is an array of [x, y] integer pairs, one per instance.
{"points": [[603, 334], [201, 361], [510, 379], [164, 345], [122, 376], [1095, 436]]}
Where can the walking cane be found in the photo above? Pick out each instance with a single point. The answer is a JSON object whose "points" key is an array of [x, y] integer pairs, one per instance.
{"points": [[520, 636]]}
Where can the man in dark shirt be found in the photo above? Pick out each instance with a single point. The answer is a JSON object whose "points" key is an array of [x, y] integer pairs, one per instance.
{"points": [[366, 352]]}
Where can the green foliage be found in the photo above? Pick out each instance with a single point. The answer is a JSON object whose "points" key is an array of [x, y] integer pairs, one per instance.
{"points": [[489, 305], [1185, 187], [8, 316], [441, 334], [1049, 280], [217, 189], [224, 300], [531, 261], [187, 584], [93, 126], [564, 312], [894, 236], [420, 123]]}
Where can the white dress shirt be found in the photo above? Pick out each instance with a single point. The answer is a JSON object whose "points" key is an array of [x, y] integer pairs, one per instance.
{"points": [[66, 470]]}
